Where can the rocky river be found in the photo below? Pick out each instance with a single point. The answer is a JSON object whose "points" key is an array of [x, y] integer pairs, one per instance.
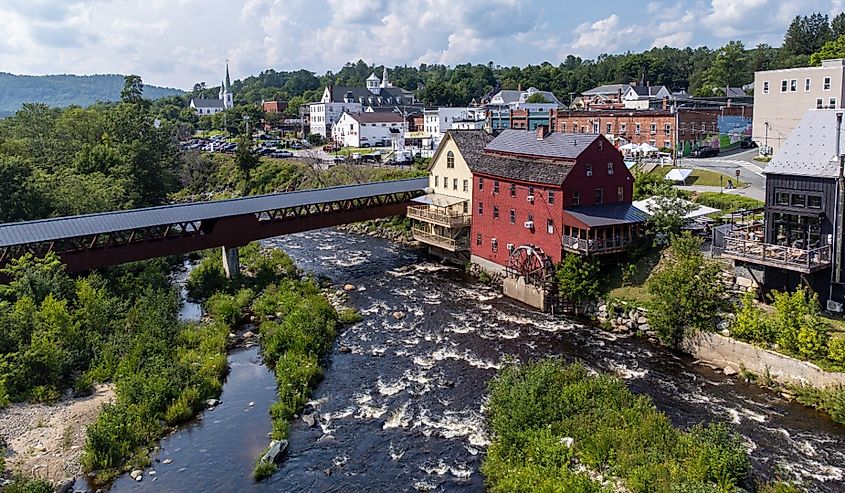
{"points": [[401, 407]]}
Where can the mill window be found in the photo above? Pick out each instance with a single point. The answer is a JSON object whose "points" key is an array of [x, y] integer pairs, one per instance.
{"points": [[599, 195]]}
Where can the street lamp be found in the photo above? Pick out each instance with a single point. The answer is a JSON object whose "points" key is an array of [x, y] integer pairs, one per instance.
{"points": [[766, 140]]}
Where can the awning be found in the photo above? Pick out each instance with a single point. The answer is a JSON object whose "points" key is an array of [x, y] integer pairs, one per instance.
{"points": [[648, 205], [678, 174], [438, 200], [593, 216]]}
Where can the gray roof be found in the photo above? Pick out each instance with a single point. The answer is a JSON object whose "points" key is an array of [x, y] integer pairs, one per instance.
{"points": [[607, 214], [647, 91], [522, 169], [606, 89], [508, 95], [377, 117], [471, 144], [556, 145], [810, 150], [207, 103], [338, 94], [91, 224], [735, 92]]}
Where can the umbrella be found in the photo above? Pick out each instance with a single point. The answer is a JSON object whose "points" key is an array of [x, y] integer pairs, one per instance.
{"points": [[646, 147], [630, 147]]}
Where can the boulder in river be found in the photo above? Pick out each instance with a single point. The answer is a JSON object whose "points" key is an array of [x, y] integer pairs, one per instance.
{"points": [[344, 349], [137, 474], [398, 315], [275, 452], [211, 402], [349, 287], [309, 420], [249, 334], [728, 371]]}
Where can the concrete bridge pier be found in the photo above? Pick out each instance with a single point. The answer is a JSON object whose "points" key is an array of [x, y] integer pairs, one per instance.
{"points": [[231, 262]]}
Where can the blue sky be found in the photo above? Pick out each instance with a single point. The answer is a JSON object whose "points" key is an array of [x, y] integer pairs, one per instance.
{"points": [[179, 42]]}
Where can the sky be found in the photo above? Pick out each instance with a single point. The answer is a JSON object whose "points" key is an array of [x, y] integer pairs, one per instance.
{"points": [[177, 43]]}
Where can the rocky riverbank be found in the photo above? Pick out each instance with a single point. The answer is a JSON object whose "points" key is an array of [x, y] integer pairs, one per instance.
{"points": [[46, 440], [382, 228]]}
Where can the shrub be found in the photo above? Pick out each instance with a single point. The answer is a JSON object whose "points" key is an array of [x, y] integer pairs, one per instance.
{"points": [[183, 408], [830, 399], [578, 279], [749, 324], [349, 316], [791, 310], [25, 485], [207, 278], [836, 350], [812, 338], [227, 308], [263, 469]]}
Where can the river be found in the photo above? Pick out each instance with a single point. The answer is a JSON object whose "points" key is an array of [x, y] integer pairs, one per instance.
{"points": [[403, 409]]}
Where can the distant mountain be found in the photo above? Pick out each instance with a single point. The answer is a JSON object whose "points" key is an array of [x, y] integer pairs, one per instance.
{"points": [[66, 90]]}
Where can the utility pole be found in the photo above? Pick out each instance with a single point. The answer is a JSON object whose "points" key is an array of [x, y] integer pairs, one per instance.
{"points": [[766, 140]]}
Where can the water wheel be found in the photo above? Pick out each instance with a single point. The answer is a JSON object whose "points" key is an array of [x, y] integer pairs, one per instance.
{"points": [[532, 263]]}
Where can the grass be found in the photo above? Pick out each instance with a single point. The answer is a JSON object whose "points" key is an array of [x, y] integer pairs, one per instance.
{"points": [[703, 177], [726, 202], [348, 151], [631, 287], [263, 469]]}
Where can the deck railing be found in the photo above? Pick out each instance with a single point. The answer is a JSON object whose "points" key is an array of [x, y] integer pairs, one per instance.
{"points": [[747, 244], [597, 246], [452, 221], [429, 238]]}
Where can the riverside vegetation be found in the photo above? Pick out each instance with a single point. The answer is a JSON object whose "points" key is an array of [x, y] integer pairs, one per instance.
{"points": [[297, 324], [560, 428]]}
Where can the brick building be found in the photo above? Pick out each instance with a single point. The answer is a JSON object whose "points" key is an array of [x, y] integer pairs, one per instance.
{"points": [[274, 106], [556, 191]]}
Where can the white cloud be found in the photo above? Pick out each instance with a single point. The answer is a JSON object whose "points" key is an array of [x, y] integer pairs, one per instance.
{"points": [[605, 36]]}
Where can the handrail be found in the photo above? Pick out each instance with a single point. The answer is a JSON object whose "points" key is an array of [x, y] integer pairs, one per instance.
{"points": [[808, 258], [596, 245], [438, 240], [448, 220]]}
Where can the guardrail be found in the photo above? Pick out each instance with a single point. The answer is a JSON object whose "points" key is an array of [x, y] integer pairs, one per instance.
{"points": [[590, 246], [747, 244], [452, 221], [450, 244]]}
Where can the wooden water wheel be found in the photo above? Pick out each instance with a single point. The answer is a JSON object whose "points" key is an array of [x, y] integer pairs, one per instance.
{"points": [[532, 263]]}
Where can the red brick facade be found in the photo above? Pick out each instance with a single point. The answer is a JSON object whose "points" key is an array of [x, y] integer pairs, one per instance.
{"points": [[494, 202]]}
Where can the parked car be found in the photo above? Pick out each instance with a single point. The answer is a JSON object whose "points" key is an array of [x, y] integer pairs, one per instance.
{"points": [[281, 154], [705, 152], [379, 143], [296, 145], [747, 143]]}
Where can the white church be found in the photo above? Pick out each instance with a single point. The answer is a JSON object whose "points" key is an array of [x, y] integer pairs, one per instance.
{"points": [[211, 106]]}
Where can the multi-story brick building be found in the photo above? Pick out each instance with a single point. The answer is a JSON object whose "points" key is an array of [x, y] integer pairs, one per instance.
{"points": [[559, 192]]}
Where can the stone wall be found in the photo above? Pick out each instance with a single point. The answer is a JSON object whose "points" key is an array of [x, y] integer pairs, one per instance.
{"points": [[735, 355]]}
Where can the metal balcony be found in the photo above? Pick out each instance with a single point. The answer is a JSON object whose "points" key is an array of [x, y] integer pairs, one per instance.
{"points": [[427, 215], [446, 243]]}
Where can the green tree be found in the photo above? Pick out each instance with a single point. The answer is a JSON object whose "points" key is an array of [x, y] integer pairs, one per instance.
{"points": [[133, 89], [668, 215], [578, 279], [837, 25], [831, 49], [730, 67], [686, 292], [536, 98], [246, 158]]}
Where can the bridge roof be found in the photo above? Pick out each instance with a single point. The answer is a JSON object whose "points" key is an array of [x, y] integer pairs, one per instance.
{"points": [[22, 233]]}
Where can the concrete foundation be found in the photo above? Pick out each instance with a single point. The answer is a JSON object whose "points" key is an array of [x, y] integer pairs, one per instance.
{"points": [[529, 294], [492, 268], [231, 262], [726, 352]]}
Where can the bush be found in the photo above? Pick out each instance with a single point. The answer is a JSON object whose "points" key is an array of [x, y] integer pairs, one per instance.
{"points": [[836, 351], [578, 279], [24, 485], [727, 202], [183, 408], [207, 277], [830, 399], [750, 325], [227, 308], [349, 316], [263, 469], [534, 408]]}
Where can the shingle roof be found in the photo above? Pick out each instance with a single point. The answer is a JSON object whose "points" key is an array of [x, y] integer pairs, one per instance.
{"points": [[810, 150], [606, 89], [91, 224], [338, 94], [556, 145], [647, 91], [522, 169], [607, 214], [735, 92], [376, 117], [470, 143], [207, 103]]}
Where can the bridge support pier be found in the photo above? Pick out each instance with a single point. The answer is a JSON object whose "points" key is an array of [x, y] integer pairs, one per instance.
{"points": [[231, 262]]}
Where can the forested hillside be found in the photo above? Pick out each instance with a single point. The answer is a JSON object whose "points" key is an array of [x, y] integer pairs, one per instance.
{"points": [[65, 90]]}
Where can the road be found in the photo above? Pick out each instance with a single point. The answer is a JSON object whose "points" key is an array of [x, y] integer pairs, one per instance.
{"points": [[750, 171]]}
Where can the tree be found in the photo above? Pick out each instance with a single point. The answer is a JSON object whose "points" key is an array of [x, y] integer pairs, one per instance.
{"points": [[730, 67], [668, 215], [578, 279], [837, 25], [686, 292], [133, 89], [536, 98], [831, 49], [245, 157]]}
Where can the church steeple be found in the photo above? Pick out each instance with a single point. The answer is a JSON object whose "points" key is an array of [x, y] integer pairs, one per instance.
{"points": [[385, 82], [226, 91], [228, 83]]}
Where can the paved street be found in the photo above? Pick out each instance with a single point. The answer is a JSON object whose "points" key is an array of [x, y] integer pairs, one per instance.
{"points": [[751, 171]]}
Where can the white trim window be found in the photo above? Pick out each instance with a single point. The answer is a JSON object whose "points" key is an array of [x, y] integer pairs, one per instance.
{"points": [[832, 102], [793, 85], [807, 85], [765, 87], [826, 86], [783, 85], [819, 103]]}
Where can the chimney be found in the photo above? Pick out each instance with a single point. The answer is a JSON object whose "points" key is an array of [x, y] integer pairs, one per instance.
{"points": [[619, 95], [729, 103], [519, 87], [542, 132], [648, 83], [665, 102]]}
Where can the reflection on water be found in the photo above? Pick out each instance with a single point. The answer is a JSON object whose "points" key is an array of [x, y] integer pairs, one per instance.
{"points": [[403, 409]]}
